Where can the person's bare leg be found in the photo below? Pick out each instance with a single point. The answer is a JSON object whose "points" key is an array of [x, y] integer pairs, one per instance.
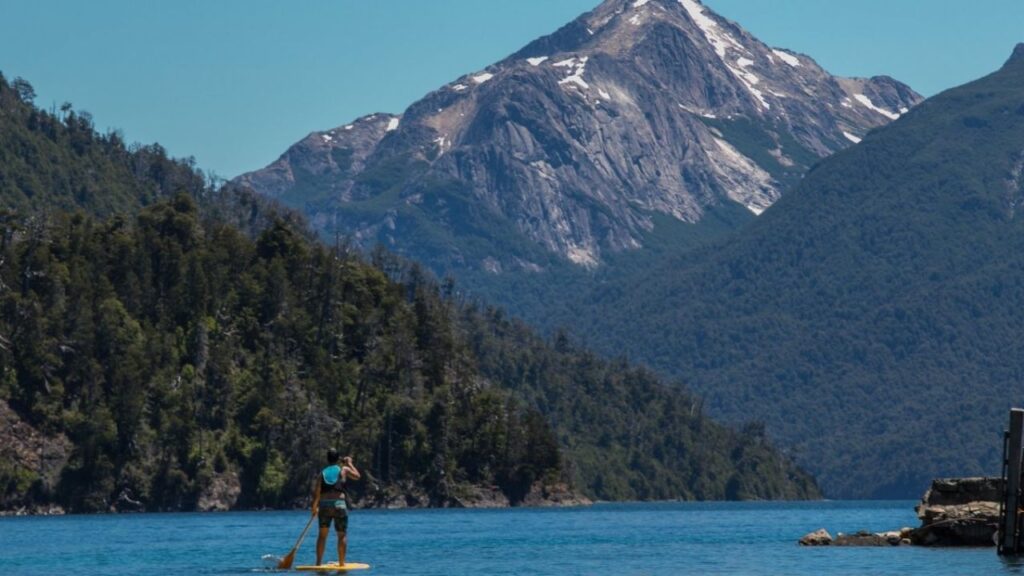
{"points": [[321, 543], [342, 547]]}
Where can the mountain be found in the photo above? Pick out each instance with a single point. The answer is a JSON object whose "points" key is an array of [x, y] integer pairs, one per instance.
{"points": [[164, 347], [872, 318], [641, 114]]}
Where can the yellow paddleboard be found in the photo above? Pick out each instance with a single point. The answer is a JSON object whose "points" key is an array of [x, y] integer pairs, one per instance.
{"points": [[334, 567]]}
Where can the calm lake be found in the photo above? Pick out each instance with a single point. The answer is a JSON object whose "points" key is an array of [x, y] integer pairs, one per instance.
{"points": [[608, 539]]}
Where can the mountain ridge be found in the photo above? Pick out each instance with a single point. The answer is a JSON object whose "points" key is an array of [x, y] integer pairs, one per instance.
{"points": [[573, 142]]}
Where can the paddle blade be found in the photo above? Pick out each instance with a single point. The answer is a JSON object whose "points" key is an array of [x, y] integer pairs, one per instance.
{"points": [[287, 561]]}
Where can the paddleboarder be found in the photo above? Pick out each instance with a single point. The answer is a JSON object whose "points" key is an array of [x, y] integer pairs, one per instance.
{"points": [[330, 503]]}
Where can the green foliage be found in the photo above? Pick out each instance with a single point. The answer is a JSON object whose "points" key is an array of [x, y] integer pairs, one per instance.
{"points": [[627, 435], [176, 336], [56, 160], [166, 345]]}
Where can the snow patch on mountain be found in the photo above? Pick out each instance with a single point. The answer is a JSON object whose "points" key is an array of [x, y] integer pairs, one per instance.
{"points": [[871, 106], [578, 66], [481, 78], [787, 58], [719, 39], [851, 137]]}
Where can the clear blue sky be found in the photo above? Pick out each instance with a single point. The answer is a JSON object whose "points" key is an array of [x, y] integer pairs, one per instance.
{"points": [[235, 82]]}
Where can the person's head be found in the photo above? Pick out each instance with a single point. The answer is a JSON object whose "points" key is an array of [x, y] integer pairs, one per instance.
{"points": [[332, 456]]}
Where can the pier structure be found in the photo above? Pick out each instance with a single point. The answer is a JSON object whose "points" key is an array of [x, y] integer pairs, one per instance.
{"points": [[1010, 517]]}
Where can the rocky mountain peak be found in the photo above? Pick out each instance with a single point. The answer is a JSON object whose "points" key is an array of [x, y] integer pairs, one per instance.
{"points": [[1017, 57], [575, 143]]}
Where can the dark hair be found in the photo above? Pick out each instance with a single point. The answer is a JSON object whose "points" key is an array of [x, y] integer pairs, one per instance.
{"points": [[332, 456]]}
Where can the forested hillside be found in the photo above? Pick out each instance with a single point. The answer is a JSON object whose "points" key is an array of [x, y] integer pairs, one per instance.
{"points": [[873, 317], [186, 348]]}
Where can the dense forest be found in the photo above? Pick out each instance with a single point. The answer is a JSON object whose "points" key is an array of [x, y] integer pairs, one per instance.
{"points": [[872, 317], [182, 342]]}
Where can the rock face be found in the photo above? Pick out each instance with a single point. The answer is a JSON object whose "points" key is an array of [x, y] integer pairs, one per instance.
{"points": [[404, 495], [959, 512], [819, 537], [574, 144], [220, 494], [953, 512], [31, 460]]}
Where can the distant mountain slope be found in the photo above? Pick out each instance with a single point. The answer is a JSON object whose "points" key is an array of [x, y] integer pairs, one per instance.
{"points": [[874, 317], [175, 354], [577, 146]]}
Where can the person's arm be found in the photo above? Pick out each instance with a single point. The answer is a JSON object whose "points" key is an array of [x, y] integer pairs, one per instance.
{"points": [[316, 495], [349, 470]]}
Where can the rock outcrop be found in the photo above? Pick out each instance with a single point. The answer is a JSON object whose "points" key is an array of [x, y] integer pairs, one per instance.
{"points": [[953, 512], [959, 512], [30, 460]]}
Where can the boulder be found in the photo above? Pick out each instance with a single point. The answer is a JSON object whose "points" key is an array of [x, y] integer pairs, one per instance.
{"points": [[819, 537]]}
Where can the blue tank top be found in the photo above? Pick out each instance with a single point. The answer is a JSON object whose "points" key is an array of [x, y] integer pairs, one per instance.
{"points": [[331, 479]]}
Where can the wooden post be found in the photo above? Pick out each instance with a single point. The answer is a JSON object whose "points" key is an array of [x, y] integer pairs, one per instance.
{"points": [[1010, 544]]}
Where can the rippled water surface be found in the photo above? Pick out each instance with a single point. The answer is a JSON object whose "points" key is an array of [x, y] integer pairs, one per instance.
{"points": [[607, 539]]}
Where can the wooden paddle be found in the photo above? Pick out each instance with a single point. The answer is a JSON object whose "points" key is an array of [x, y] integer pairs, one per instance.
{"points": [[286, 562]]}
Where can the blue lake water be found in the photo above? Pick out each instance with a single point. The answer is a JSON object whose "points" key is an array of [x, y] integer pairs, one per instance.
{"points": [[606, 539]]}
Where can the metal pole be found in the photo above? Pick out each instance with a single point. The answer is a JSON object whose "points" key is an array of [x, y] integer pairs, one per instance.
{"points": [[1011, 525]]}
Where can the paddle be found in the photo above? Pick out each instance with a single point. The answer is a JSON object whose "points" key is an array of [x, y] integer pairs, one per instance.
{"points": [[286, 562]]}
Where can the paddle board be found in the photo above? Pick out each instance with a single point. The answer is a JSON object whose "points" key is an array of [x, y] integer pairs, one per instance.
{"points": [[334, 567]]}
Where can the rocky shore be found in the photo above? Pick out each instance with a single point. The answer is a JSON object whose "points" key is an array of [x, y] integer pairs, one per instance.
{"points": [[223, 491], [953, 512]]}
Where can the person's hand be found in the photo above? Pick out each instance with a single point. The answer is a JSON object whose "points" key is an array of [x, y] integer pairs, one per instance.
{"points": [[348, 460]]}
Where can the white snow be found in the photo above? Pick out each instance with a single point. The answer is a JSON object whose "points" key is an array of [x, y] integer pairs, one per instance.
{"points": [[481, 78], [904, 110], [697, 112], [441, 142], [326, 137], [639, 3], [605, 95], [721, 41], [536, 61], [392, 125], [851, 137], [871, 105], [787, 58], [750, 80], [349, 127], [576, 76], [846, 103], [717, 38], [459, 87], [635, 20]]}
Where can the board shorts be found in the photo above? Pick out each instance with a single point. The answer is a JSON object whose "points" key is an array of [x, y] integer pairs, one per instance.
{"points": [[336, 510]]}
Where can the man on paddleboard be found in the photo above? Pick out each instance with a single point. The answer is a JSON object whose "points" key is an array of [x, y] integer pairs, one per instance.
{"points": [[330, 503]]}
